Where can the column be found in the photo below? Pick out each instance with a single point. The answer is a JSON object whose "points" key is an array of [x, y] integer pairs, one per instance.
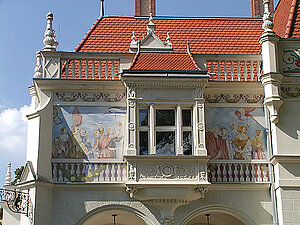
{"points": [[179, 147], [131, 119], [152, 130]]}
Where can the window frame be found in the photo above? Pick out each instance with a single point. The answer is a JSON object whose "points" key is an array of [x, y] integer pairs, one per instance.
{"points": [[175, 128]]}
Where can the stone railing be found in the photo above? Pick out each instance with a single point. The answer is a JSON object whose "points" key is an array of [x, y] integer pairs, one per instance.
{"points": [[17, 202], [77, 65], [234, 67], [66, 171], [236, 171]]}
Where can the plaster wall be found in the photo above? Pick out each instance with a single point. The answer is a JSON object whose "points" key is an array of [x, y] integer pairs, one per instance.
{"points": [[288, 128], [43, 206], [9, 218], [69, 206], [290, 205]]}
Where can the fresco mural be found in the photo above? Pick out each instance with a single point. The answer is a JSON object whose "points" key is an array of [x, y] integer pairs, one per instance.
{"points": [[88, 132], [238, 135]]}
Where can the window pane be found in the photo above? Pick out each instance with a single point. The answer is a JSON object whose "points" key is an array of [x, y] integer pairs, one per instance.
{"points": [[165, 143], [143, 117], [165, 117], [187, 118], [143, 142], [187, 142]]}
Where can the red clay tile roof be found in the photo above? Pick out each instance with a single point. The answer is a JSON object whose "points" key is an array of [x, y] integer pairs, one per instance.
{"points": [[164, 61], [287, 19], [206, 36]]}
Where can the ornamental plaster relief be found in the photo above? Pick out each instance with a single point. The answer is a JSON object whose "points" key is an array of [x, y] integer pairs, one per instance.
{"points": [[89, 97], [234, 98], [290, 92], [170, 171], [291, 61]]}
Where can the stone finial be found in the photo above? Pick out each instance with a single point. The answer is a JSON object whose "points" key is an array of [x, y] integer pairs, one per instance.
{"points": [[101, 9], [38, 66], [8, 175], [188, 47], [133, 38], [151, 26], [267, 18], [168, 38], [49, 40]]}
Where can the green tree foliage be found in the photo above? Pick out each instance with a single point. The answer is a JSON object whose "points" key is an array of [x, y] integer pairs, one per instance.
{"points": [[18, 173]]}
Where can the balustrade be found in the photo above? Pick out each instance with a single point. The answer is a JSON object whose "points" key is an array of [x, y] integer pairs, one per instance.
{"points": [[88, 172], [234, 69], [238, 172], [77, 65]]}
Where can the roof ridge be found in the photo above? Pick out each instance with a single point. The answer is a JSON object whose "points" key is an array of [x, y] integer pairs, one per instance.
{"points": [[87, 35], [290, 19]]}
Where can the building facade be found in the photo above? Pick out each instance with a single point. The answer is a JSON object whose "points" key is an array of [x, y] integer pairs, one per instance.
{"points": [[159, 120]]}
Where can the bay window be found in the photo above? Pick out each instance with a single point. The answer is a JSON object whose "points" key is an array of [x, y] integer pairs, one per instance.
{"points": [[165, 131]]}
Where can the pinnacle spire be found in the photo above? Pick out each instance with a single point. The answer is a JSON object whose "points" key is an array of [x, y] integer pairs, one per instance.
{"points": [[49, 40]]}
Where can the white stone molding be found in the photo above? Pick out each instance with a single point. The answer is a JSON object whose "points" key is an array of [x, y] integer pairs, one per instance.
{"points": [[8, 175], [179, 142], [199, 128], [131, 119], [49, 40], [34, 97], [152, 130], [272, 89]]}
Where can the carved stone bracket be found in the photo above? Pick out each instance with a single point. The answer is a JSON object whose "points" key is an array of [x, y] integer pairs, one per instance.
{"points": [[202, 191], [131, 191]]}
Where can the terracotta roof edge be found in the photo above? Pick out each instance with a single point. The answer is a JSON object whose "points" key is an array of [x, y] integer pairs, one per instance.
{"points": [[290, 19], [87, 35], [194, 61], [134, 60]]}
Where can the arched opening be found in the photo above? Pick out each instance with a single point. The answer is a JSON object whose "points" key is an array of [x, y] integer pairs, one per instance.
{"points": [[215, 218], [218, 215], [106, 218], [124, 215]]}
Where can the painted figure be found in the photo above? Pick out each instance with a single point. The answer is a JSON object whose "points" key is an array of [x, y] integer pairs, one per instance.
{"points": [[105, 143], [230, 144], [258, 151], [241, 141]]}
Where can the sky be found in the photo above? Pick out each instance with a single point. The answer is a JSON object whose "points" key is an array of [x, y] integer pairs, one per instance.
{"points": [[22, 26]]}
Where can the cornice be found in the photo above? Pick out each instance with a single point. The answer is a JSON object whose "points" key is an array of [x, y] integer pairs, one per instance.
{"points": [[285, 159], [77, 84]]}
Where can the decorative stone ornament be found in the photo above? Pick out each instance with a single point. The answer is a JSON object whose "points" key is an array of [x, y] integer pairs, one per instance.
{"points": [[131, 191], [151, 41], [271, 78], [49, 40], [8, 175], [267, 18], [38, 73]]}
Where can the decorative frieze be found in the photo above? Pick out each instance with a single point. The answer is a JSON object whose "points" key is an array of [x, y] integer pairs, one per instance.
{"points": [[167, 171], [234, 98], [291, 91], [89, 97]]}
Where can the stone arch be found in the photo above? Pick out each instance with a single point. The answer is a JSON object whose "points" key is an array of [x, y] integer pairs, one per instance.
{"points": [[132, 208], [219, 209]]}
